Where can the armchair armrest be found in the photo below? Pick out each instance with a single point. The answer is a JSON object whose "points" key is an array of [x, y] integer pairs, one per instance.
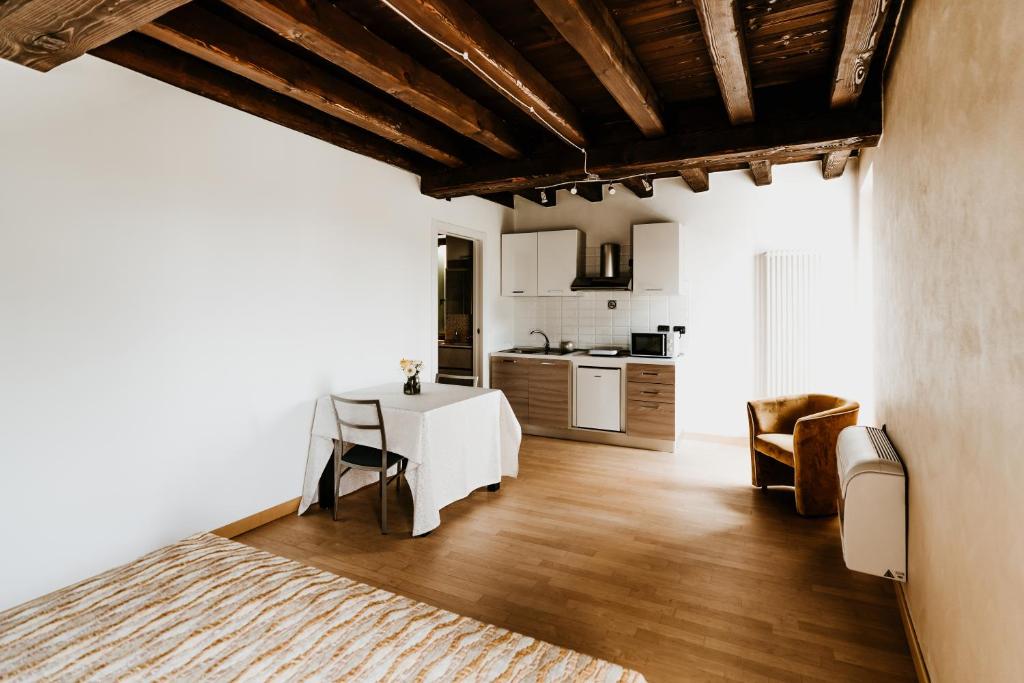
{"points": [[776, 415], [814, 457], [826, 423]]}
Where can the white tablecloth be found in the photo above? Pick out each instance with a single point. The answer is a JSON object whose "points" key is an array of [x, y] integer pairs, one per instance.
{"points": [[456, 439]]}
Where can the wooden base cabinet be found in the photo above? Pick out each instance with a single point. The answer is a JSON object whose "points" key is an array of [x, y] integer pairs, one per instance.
{"points": [[512, 376], [651, 410], [538, 390], [549, 393]]}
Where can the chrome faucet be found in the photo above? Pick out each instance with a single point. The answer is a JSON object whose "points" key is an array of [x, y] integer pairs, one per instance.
{"points": [[547, 342]]}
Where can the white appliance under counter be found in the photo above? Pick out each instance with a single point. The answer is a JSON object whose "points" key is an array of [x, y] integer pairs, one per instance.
{"points": [[598, 398]]}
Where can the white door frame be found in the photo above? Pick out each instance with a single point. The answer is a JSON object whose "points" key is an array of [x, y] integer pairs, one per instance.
{"points": [[439, 227]]}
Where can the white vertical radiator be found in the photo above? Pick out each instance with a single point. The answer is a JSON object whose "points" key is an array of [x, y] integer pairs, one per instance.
{"points": [[788, 322]]}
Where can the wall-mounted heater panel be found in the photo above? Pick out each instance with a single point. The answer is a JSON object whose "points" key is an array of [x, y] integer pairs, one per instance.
{"points": [[872, 503], [788, 322]]}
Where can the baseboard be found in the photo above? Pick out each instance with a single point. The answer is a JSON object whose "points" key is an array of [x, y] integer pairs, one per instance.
{"points": [[606, 438], [717, 438], [915, 645], [259, 519]]}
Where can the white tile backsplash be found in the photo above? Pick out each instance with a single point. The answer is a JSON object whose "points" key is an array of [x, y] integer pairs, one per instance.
{"points": [[587, 321]]}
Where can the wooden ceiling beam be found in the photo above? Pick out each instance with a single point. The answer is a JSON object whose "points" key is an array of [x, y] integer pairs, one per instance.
{"points": [[723, 34], [327, 31], [506, 199], [592, 192], [641, 187], [591, 29], [762, 171], [790, 136], [834, 163], [696, 178], [209, 37], [459, 25], [42, 34], [151, 58], [860, 39]]}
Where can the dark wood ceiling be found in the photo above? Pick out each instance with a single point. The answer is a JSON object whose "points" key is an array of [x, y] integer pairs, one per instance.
{"points": [[649, 87]]}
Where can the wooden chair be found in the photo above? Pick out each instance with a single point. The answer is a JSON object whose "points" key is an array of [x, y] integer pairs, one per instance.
{"points": [[464, 380], [357, 457]]}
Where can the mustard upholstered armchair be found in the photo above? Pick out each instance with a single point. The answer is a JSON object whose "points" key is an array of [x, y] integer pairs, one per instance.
{"points": [[793, 443]]}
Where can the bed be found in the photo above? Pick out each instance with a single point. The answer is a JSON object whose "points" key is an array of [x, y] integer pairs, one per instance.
{"points": [[213, 609]]}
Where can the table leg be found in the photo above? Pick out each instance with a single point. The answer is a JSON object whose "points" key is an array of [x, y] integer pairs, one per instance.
{"points": [[493, 487], [326, 485]]}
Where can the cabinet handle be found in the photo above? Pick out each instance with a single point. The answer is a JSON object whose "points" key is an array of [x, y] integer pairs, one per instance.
{"points": [[544, 362], [649, 374], [518, 291], [653, 289], [508, 360], [651, 393], [554, 290], [649, 406]]}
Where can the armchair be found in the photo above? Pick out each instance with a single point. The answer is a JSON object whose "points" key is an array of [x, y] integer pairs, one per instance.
{"points": [[793, 443]]}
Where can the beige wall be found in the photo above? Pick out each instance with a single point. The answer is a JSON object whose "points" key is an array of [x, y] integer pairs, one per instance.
{"points": [[949, 298]]}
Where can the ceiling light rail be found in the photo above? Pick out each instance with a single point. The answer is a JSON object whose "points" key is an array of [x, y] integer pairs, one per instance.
{"points": [[466, 57], [588, 177]]}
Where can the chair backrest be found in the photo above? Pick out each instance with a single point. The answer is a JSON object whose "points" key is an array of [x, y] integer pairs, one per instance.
{"points": [[366, 426], [464, 380]]}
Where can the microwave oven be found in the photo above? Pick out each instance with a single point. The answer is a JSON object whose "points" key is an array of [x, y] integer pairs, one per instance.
{"points": [[661, 344]]}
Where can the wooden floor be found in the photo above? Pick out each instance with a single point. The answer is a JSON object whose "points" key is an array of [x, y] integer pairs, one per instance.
{"points": [[669, 564]]}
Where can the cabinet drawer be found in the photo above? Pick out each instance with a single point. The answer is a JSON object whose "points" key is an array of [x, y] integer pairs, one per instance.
{"points": [[650, 372], [649, 391], [651, 419]]}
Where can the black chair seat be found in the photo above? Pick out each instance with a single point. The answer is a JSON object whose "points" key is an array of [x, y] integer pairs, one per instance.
{"points": [[365, 456]]}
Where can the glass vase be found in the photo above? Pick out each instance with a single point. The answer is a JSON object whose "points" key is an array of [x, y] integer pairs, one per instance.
{"points": [[412, 385]]}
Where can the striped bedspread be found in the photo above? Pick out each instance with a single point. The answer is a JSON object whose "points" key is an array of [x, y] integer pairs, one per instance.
{"points": [[207, 608]]}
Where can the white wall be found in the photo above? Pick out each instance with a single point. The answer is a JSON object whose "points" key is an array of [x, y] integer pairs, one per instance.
{"points": [[178, 282], [949, 279], [724, 229]]}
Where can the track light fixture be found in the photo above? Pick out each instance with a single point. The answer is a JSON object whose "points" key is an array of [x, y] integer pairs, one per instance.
{"points": [[611, 189], [646, 184], [543, 196], [573, 189]]}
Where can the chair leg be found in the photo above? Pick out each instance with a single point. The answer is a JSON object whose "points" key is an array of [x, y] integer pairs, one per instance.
{"points": [[383, 502], [337, 483]]}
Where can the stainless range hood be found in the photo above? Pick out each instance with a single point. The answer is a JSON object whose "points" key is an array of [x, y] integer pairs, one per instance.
{"points": [[609, 278], [584, 284]]}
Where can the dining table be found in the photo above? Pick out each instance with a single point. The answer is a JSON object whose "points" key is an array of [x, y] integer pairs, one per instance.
{"points": [[456, 439]]}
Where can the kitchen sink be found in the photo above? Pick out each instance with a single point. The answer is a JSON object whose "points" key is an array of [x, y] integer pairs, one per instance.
{"points": [[525, 349], [536, 349]]}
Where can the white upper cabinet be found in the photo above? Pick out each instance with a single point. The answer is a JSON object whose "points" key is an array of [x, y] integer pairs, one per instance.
{"points": [[559, 261], [519, 264], [657, 258], [541, 263]]}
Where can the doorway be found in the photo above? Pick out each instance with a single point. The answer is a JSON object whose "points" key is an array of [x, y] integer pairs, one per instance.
{"points": [[457, 325]]}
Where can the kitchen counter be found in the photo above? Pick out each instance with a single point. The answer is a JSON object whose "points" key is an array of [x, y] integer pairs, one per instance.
{"points": [[454, 345], [617, 400], [581, 358]]}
